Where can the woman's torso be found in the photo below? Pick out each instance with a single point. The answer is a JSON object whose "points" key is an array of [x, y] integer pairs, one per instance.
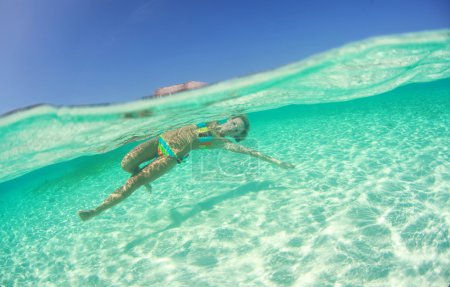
{"points": [[185, 139]]}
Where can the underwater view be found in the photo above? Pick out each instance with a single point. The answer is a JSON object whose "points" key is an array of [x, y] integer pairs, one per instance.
{"points": [[366, 125]]}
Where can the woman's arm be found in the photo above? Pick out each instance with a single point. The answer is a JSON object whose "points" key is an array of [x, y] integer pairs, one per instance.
{"points": [[228, 145]]}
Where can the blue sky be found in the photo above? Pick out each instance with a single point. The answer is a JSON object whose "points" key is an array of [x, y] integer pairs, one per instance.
{"points": [[66, 52]]}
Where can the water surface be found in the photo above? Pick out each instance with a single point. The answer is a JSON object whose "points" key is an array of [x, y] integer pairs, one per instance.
{"points": [[367, 126]]}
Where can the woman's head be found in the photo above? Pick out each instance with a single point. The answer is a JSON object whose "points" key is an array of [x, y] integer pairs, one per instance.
{"points": [[236, 127]]}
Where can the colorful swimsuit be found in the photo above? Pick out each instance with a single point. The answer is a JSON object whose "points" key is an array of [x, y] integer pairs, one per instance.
{"points": [[205, 137]]}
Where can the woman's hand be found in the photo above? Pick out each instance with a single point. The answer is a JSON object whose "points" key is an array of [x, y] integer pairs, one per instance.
{"points": [[86, 214]]}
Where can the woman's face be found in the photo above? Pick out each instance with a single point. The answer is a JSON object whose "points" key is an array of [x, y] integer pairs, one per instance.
{"points": [[233, 127]]}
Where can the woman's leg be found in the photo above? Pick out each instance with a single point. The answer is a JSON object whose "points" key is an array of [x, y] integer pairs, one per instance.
{"points": [[148, 174], [141, 153]]}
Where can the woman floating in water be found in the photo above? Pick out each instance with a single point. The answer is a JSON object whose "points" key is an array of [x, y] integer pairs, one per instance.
{"points": [[172, 147]]}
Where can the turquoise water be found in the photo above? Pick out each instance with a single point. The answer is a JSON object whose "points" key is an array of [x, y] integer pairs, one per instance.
{"points": [[367, 126]]}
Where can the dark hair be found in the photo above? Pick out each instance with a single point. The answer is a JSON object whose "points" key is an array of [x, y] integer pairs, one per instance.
{"points": [[244, 133]]}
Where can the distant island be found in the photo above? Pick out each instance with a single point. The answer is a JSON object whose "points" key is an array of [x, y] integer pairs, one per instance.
{"points": [[178, 88], [164, 91]]}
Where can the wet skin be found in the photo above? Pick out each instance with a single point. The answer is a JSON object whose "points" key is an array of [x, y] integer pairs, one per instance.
{"points": [[181, 141]]}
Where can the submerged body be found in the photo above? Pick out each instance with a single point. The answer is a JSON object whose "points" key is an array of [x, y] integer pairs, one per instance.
{"points": [[369, 203], [170, 148]]}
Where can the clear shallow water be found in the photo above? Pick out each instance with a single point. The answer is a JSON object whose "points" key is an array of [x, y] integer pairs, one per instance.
{"points": [[44, 135], [366, 206]]}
